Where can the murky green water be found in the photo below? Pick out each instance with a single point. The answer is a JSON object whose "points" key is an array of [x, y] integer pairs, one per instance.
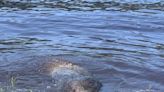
{"points": [[121, 43]]}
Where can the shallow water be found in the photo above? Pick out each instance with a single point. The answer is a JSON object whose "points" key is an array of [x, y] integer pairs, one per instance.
{"points": [[123, 48]]}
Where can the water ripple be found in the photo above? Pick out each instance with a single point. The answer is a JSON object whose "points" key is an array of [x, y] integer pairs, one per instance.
{"points": [[85, 4], [124, 48]]}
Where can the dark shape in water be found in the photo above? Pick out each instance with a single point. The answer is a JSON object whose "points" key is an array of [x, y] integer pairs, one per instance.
{"points": [[71, 78]]}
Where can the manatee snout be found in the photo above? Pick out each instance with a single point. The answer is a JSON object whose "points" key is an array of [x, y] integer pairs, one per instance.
{"points": [[85, 85]]}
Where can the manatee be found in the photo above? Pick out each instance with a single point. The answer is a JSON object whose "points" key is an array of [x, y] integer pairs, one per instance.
{"points": [[70, 77]]}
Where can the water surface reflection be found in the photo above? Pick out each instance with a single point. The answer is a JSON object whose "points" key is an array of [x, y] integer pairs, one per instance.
{"points": [[123, 49]]}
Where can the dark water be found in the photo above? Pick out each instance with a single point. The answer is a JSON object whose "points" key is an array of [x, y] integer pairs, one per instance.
{"points": [[122, 46]]}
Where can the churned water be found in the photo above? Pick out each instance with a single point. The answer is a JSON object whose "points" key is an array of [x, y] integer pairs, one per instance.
{"points": [[120, 41]]}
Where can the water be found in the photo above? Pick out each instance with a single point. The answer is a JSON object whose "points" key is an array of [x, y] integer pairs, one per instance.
{"points": [[122, 47]]}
